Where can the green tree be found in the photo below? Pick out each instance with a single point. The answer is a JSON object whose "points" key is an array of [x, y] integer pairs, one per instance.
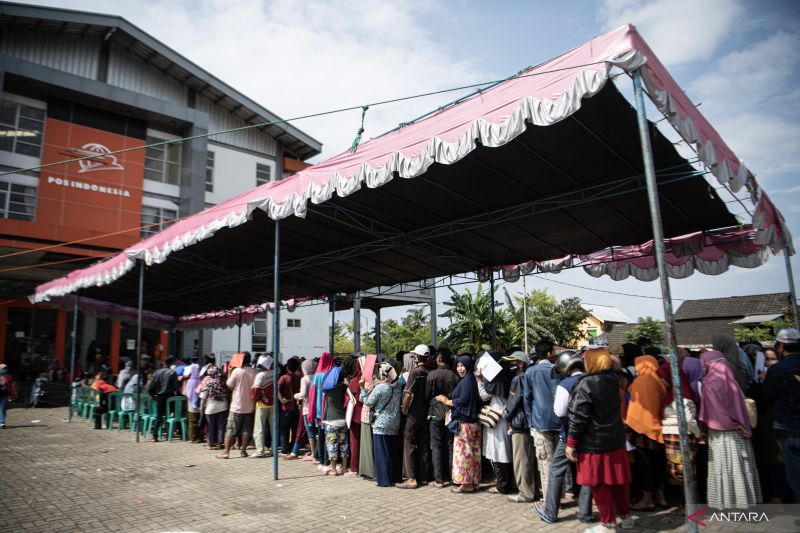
{"points": [[414, 328], [646, 327], [343, 337], [548, 318], [470, 315]]}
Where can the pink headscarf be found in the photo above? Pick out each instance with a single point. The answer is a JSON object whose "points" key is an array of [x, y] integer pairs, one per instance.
{"points": [[316, 397], [723, 406]]}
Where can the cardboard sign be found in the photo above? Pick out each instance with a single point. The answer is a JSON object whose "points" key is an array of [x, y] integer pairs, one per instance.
{"points": [[369, 367], [489, 367], [237, 360]]}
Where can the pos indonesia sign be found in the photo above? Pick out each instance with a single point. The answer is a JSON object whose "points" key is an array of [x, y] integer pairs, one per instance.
{"points": [[92, 197]]}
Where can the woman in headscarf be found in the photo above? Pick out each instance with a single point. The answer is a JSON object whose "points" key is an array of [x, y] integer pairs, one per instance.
{"points": [[131, 387], [645, 411], [464, 408], [669, 424], [738, 360], [693, 369], [596, 440], [366, 459], [302, 397], [496, 440], [732, 475], [384, 402], [215, 396], [354, 397], [191, 374], [315, 408], [125, 375]]}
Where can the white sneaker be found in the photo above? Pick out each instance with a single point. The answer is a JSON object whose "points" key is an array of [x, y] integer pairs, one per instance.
{"points": [[626, 522]]}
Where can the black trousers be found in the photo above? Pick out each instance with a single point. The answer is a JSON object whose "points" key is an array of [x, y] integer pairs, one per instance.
{"points": [[441, 450], [288, 425], [416, 447], [161, 413], [503, 475]]}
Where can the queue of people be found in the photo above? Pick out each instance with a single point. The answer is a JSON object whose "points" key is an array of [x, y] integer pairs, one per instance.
{"points": [[597, 424]]}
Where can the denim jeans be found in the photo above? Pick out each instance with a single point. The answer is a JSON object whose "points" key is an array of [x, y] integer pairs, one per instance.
{"points": [[3, 409], [791, 460], [559, 465]]}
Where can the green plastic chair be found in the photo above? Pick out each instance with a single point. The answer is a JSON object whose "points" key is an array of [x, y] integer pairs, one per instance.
{"points": [[114, 409], [176, 414], [76, 401], [147, 414], [82, 401], [123, 414], [91, 404]]}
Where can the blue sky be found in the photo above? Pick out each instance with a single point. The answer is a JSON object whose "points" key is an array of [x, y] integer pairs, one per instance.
{"points": [[740, 60]]}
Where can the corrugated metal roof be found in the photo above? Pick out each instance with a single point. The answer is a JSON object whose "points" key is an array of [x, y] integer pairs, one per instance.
{"points": [[171, 63], [607, 313], [733, 306], [758, 319]]}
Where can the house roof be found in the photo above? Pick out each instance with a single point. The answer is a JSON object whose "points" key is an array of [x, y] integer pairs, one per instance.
{"points": [[607, 314], [733, 306], [690, 333], [168, 61]]}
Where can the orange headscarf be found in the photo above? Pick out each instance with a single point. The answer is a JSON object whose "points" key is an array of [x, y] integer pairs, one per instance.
{"points": [[647, 399], [597, 360]]}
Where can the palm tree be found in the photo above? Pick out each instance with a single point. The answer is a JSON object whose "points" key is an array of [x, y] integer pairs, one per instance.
{"points": [[471, 320]]}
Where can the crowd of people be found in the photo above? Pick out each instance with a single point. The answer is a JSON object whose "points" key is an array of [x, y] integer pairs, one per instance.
{"points": [[596, 424]]}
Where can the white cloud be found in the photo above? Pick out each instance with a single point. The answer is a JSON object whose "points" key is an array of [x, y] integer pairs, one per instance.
{"points": [[297, 58], [678, 31]]}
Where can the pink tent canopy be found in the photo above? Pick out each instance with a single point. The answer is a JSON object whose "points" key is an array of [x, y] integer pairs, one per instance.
{"points": [[542, 96]]}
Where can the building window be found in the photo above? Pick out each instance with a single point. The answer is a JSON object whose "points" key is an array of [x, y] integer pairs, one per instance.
{"points": [[17, 201], [292, 322], [210, 172], [154, 219], [21, 128], [259, 337], [263, 174], [163, 163]]}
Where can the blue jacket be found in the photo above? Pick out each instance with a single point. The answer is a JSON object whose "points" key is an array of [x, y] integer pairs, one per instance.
{"points": [[782, 387], [516, 410], [541, 382]]}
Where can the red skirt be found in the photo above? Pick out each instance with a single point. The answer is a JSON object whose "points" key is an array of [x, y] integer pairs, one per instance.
{"points": [[609, 468]]}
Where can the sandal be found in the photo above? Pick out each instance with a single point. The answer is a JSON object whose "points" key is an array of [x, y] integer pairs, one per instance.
{"points": [[244, 454], [223, 456], [459, 489], [493, 490]]}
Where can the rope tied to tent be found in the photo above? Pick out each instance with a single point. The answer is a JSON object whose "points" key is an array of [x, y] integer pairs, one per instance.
{"points": [[357, 140]]}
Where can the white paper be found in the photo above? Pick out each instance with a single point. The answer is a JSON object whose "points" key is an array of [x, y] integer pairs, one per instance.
{"points": [[760, 360], [489, 367]]}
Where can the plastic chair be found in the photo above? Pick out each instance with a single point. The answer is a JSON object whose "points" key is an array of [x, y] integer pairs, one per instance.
{"points": [[148, 408], [176, 413], [82, 401], [114, 409], [76, 401], [126, 398], [94, 399]]}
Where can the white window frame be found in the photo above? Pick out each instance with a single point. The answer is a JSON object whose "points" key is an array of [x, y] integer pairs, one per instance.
{"points": [[155, 136], [293, 323], [210, 158], [271, 169], [161, 207], [19, 101], [6, 190]]}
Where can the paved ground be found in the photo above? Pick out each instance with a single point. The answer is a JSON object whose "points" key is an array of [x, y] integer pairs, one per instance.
{"points": [[56, 476]]}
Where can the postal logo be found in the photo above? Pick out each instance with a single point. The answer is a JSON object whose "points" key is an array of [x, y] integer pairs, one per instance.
{"points": [[102, 160]]}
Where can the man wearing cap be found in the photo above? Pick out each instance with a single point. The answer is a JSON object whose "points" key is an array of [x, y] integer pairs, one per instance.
{"points": [[540, 393], [264, 396], [782, 387], [162, 385], [517, 418], [416, 438]]}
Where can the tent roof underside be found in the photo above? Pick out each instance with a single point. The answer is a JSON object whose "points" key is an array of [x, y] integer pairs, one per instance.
{"points": [[591, 150]]}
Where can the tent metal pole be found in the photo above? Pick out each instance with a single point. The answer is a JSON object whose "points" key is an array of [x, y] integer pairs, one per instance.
{"points": [[434, 325], [139, 349], [72, 351], [333, 323], [792, 293], [525, 312], [494, 323], [239, 340], [276, 346], [378, 330], [357, 324], [666, 297]]}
